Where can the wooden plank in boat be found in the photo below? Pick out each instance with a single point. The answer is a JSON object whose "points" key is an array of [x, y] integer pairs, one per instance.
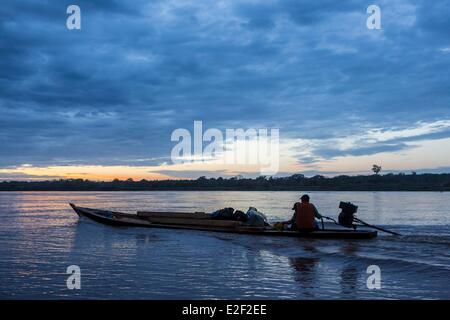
{"points": [[134, 220], [182, 215], [195, 222], [245, 228]]}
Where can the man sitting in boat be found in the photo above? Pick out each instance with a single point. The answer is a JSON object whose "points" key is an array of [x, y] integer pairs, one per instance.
{"points": [[303, 218]]}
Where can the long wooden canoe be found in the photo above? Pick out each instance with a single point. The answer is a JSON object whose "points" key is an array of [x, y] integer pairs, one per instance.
{"points": [[133, 220]]}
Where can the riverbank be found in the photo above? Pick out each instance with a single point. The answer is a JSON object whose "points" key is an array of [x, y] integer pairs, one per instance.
{"points": [[297, 182]]}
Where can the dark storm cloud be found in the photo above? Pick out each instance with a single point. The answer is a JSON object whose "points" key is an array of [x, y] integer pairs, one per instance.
{"points": [[390, 145], [112, 92], [22, 176], [332, 153]]}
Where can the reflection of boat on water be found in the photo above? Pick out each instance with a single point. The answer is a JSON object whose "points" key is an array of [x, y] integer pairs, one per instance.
{"points": [[203, 222], [302, 264], [349, 280], [305, 273]]}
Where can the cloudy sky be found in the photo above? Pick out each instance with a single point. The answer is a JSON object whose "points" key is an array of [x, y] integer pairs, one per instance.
{"points": [[102, 102]]}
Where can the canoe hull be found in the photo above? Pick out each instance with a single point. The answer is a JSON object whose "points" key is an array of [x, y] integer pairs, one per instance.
{"points": [[130, 220]]}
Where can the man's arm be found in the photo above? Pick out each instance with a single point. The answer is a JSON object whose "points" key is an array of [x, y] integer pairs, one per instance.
{"points": [[316, 213], [294, 216]]}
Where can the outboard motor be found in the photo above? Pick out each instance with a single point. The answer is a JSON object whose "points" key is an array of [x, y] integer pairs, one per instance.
{"points": [[347, 214]]}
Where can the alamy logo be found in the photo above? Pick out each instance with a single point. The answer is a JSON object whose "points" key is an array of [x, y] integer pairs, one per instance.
{"points": [[74, 20], [74, 280], [374, 280], [374, 20], [253, 146]]}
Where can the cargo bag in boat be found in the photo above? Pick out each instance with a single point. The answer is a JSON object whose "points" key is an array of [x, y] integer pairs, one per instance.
{"points": [[238, 215], [256, 218], [223, 214]]}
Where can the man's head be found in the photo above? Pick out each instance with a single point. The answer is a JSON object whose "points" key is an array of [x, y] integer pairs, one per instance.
{"points": [[304, 198]]}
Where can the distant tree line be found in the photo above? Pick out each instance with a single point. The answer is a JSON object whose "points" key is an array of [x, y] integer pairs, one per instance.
{"points": [[296, 182]]}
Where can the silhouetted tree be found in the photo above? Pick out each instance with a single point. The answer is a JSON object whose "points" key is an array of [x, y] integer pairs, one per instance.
{"points": [[376, 169]]}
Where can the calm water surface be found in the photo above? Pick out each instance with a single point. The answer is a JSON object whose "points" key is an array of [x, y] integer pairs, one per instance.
{"points": [[40, 236]]}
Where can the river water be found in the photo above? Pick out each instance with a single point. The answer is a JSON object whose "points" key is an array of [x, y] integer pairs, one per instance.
{"points": [[40, 236]]}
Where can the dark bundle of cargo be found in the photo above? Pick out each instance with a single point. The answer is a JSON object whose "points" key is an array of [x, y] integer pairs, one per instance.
{"points": [[253, 217], [229, 214]]}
